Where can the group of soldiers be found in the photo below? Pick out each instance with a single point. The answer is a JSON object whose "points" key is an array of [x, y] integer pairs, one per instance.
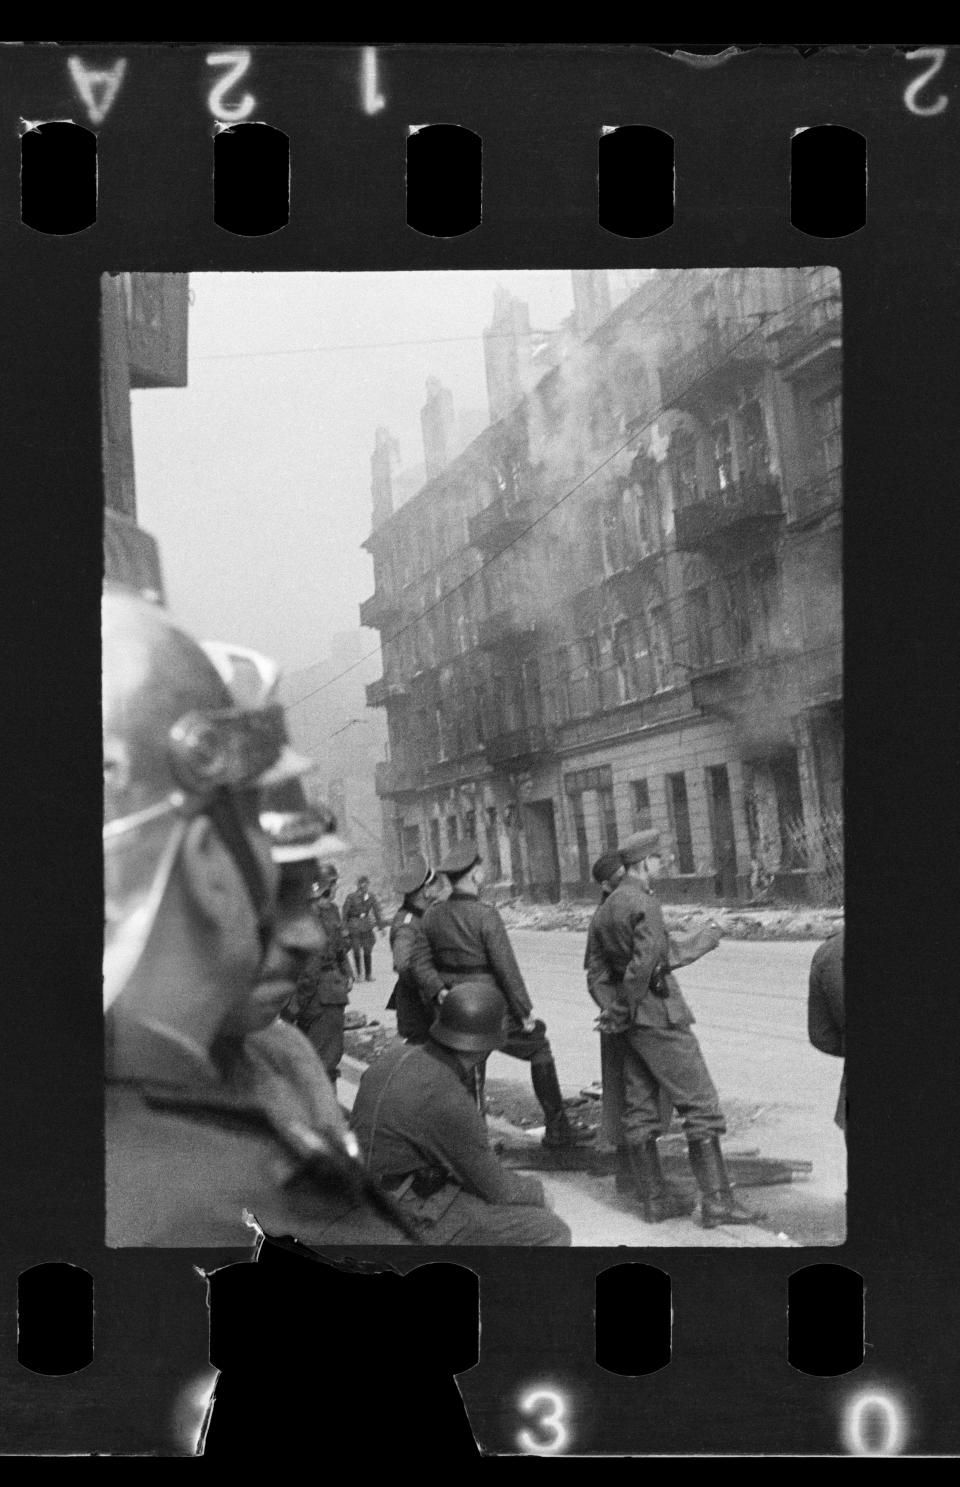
{"points": [[227, 972]]}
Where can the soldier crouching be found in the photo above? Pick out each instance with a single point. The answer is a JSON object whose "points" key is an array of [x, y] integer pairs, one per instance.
{"points": [[419, 1128]]}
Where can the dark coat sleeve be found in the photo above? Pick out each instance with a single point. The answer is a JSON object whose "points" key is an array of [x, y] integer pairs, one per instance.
{"points": [[503, 965], [598, 972], [459, 1138], [825, 1023], [381, 922], [649, 941], [410, 961]]}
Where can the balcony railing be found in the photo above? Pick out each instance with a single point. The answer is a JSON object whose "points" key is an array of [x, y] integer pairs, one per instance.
{"points": [[500, 523], [522, 745], [813, 338], [156, 308], [392, 779], [819, 497], [506, 629], [384, 691], [721, 355], [381, 611], [753, 501]]}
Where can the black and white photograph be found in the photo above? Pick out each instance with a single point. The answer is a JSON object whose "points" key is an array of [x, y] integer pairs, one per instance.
{"points": [[473, 758]]}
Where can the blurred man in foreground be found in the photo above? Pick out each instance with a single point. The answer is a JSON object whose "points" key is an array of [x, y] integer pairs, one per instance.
{"points": [[826, 1018], [194, 1144]]}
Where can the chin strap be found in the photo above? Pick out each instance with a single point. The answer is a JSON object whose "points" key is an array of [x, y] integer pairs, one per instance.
{"points": [[222, 812]]}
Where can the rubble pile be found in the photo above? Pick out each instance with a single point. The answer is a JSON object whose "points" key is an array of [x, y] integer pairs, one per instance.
{"points": [[733, 923]]}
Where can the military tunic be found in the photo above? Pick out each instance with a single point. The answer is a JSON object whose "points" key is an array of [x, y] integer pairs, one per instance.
{"points": [[323, 990], [611, 1044], [174, 1180], [826, 1019], [628, 943], [421, 1133], [418, 984], [464, 939]]}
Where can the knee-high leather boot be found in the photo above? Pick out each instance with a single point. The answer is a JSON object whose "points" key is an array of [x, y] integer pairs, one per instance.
{"points": [[717, 1203], [659, 1199], [561, 1130]]}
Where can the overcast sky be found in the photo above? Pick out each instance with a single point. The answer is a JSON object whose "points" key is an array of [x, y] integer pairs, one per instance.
{"points": [[255, 478]]}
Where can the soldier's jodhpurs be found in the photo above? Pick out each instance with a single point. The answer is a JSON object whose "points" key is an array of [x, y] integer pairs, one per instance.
{"points": [[667, 1061], [323, 1025]]}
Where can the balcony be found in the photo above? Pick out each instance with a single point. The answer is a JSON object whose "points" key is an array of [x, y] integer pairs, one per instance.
{"points": [[522, 746], [812, 342], [384, 691], [499, 524], [723, 354], [753, 503], [507, 629], [818, 498], [393, 779], [382, 611], [130, 556]]}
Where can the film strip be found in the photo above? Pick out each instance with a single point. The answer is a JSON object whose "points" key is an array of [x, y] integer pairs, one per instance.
{"points": [[176, 160]]}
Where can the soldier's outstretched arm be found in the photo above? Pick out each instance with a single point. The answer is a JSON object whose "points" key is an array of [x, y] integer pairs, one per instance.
{"points": [[686, 948], [503, 965]]}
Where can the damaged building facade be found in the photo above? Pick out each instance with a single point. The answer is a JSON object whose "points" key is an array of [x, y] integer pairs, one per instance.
{"points": [[620, 605]]}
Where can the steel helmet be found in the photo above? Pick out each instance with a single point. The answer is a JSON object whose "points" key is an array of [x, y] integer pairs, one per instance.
{"points": [[471, 1019], [175, 744]]}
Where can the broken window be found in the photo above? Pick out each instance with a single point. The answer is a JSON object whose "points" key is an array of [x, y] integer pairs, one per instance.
{"points": [[642, 812], [660, 648], [584, 668], [741, 628], [683, 452], [624, 661], [607, 812], [723, 453], [701, 638], [533, 697], [680, 821], [765, 582], [827, 414]]}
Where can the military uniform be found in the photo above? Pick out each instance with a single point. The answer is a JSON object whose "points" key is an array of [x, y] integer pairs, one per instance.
{"points": [[611, 1044], [186, 1180], [421, 1134], [360, 913], [629, 943], [323, 990], [418, 983], [826, 1019]]}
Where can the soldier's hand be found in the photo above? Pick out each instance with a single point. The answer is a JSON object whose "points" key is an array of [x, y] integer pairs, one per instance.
{"points": [[615, 1019], [530, 1024]]}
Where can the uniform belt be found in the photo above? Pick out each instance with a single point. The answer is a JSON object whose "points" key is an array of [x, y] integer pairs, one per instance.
{"points": [[423, 1183]]}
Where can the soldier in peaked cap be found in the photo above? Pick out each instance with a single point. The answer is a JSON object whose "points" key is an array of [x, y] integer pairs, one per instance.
{"points": [[608, 873], [419, 987], [632, 960], [465, 939]]}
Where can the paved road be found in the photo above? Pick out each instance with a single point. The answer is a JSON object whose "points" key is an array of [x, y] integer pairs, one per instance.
{"points": [[749, 999]]}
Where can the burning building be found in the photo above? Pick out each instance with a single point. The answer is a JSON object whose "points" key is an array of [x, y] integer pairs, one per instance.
{"points": [[620, 605]]}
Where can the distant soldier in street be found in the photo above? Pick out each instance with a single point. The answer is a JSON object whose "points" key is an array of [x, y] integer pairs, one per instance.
{"points": [[826, 1019], [421, 1133], [323, 989], [660, 1053], [361, 913], [203, 1122], [419, 987], [465, 939]]}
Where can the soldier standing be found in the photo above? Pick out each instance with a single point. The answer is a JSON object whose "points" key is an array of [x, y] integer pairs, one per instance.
{"points": [[608, 872], [419, 987], [465, 939], [660, 1053], [360, 913], [323, 989]]}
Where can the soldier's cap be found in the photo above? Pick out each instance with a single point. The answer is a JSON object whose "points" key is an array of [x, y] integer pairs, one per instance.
{"points": [[606, 867], [642, 844], [416, 875], [461, 858]]}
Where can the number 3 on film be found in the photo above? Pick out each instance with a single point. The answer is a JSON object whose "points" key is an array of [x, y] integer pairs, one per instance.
{"points": [[552, 1435]]}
